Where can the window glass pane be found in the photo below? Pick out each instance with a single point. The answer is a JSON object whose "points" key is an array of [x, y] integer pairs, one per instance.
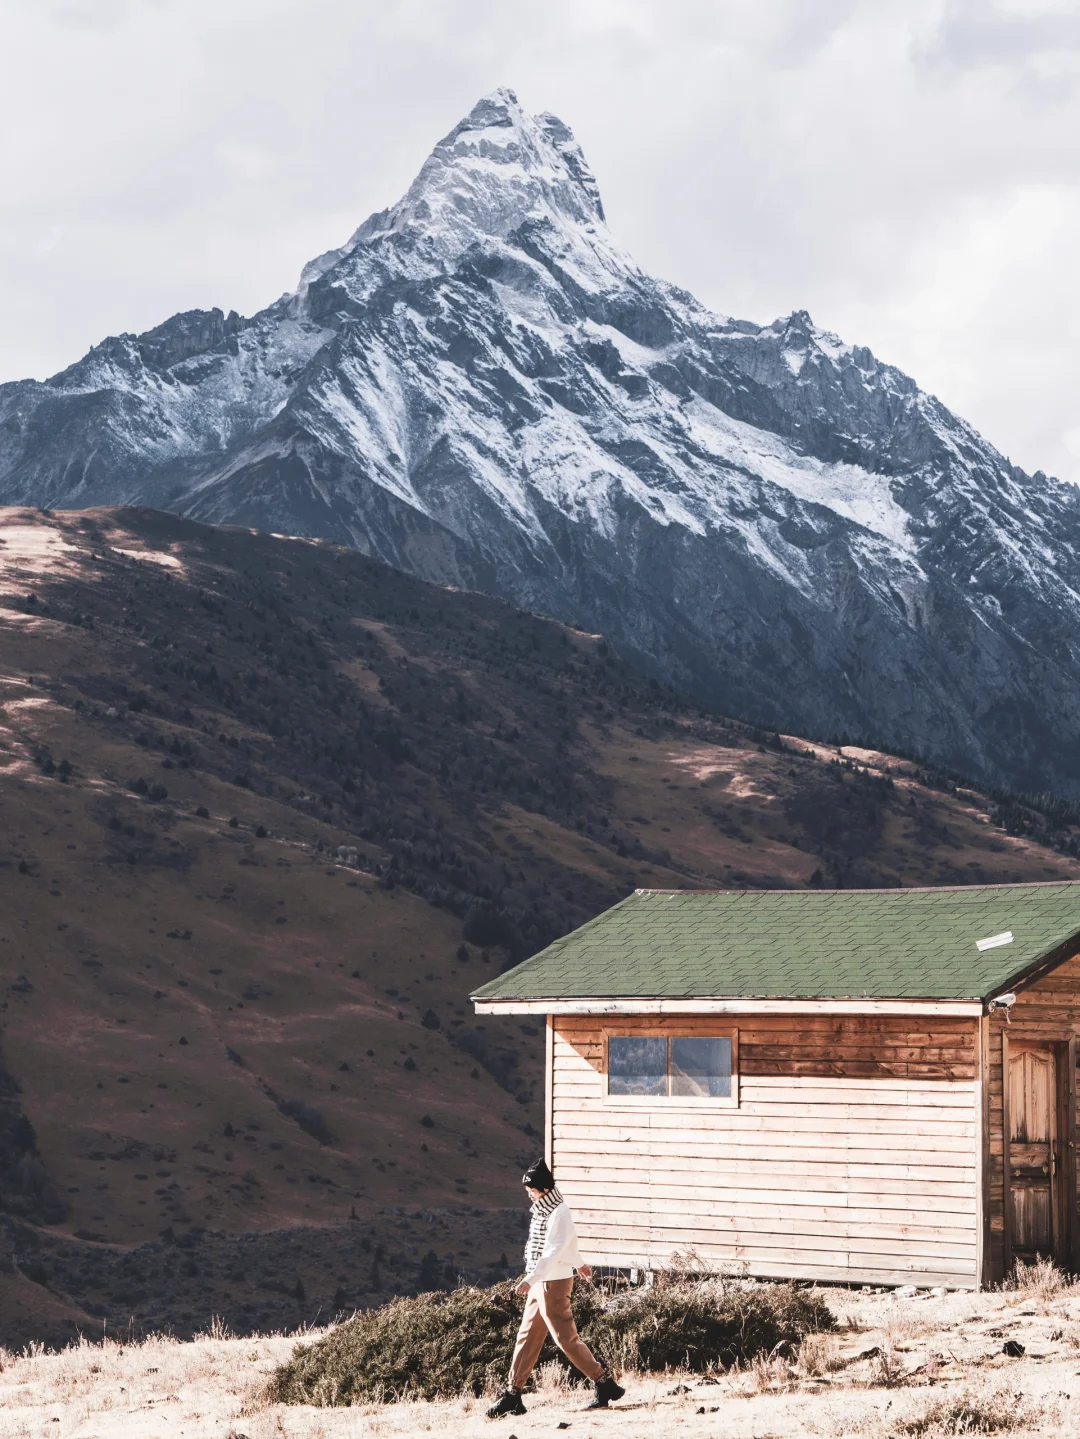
{"points": [[637, 1065], [701, 1067]]}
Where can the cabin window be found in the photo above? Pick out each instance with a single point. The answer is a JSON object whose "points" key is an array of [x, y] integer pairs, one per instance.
{"points": [[673, 1066], [637, 1064]]}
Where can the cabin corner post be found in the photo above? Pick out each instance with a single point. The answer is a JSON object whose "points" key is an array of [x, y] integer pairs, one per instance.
{"points": [[1006, 1166], [1072, 1217], [983, 1255], [549, 1092]]}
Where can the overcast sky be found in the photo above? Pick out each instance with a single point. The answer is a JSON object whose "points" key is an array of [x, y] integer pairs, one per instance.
{"points": [[906, 170]]}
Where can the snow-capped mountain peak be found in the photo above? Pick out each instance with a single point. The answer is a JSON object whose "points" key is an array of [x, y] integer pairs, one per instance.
{"points": [[498, 169], [495, 170], [483, 388]]}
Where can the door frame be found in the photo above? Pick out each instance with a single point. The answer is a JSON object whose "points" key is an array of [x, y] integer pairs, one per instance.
{"points": [[1066, 1230]]}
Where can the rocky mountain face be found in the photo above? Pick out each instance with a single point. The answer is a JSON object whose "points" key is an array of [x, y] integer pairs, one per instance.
{"points": [[483, 389]]}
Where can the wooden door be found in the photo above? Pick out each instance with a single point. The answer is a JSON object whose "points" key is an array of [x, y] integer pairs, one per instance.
{"points": [[1034, 1153]]}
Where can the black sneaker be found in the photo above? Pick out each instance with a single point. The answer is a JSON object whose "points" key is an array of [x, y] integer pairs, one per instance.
{"points": [[509, 1403], [606, 1391]]}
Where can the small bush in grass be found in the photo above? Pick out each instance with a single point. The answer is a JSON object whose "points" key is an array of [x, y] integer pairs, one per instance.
{"points": [[310, 1120], [972, 1411], [551, 1378], [433, 1345], [887, 1367], [441, 1345], [1041, 1280], [698, 1326], [818, 1355]]}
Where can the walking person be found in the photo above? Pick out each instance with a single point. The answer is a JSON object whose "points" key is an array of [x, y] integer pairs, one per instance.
{"points": [[551, 1260]]}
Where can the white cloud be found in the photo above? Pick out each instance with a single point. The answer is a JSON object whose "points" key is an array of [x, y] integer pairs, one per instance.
{"points": [[248, 162], [89, 14], [908, 173]]}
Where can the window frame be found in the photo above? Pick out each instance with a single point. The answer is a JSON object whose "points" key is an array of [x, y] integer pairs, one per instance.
{"points": [[669, 1101]]}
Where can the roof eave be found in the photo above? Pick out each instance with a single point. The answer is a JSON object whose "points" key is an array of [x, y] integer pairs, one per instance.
{"points": [[968, 1007], [1029, 973]]}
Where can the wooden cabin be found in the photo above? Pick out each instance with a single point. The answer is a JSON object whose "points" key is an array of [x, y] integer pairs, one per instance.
{"points": [[873, 1086]]}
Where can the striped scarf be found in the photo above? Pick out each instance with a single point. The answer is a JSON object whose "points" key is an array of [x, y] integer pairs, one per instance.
{"points": [[538, 1218]]}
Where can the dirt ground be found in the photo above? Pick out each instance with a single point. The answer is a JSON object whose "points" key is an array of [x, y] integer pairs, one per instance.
{"points": [[920, 1365]]}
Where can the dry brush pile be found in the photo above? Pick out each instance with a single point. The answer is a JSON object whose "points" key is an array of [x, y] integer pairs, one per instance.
{"points": [[441, 1345]]}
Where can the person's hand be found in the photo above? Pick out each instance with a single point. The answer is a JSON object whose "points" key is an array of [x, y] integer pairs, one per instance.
{"points": [[585, 1270], [523, 1287]]}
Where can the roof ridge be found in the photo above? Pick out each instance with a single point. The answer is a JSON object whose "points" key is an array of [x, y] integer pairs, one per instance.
{"points": [[881, 889]]}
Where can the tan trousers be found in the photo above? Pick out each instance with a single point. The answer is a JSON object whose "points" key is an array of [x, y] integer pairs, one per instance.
{"points": [[547, 1311]]}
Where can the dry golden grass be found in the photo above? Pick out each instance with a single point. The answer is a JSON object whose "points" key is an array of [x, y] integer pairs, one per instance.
{"points": [[819, 1354], [119, 1388], [1041, 1280], [979, 1407]]}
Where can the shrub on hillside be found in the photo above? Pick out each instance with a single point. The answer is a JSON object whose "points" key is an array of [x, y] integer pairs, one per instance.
{"points": [[442, 1344], [310, 1120]]}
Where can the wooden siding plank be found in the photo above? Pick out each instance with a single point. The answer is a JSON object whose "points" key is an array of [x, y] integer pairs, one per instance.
{"points": [[816, 1248], [714, 1139], [838, 1198], [729, 1251], [863, 1239], [592, 1052], [866, 1069], [833, 1230], [820, 1249], [768, 1051], [724, 1118], [590, 1088], [575, 1068], [589, 1025], [811, 1089], [957, 1168], [731, 1202], [906, 1185], [905, 1192]]}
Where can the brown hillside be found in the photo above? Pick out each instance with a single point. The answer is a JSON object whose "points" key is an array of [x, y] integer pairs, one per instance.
{"points": [[269, 811]]}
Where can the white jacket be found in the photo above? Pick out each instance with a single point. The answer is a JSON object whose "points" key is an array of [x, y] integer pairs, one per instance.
{"points": [[560, 1255]]}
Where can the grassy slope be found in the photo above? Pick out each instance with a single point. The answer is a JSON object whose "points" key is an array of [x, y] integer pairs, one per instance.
{"points": [[212, 1028]]}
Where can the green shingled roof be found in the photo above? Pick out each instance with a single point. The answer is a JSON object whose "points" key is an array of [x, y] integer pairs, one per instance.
{"points": [[801, 944]]}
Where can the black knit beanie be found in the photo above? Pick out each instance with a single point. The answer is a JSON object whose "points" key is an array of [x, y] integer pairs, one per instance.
{"points": [[538, 1176]]}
